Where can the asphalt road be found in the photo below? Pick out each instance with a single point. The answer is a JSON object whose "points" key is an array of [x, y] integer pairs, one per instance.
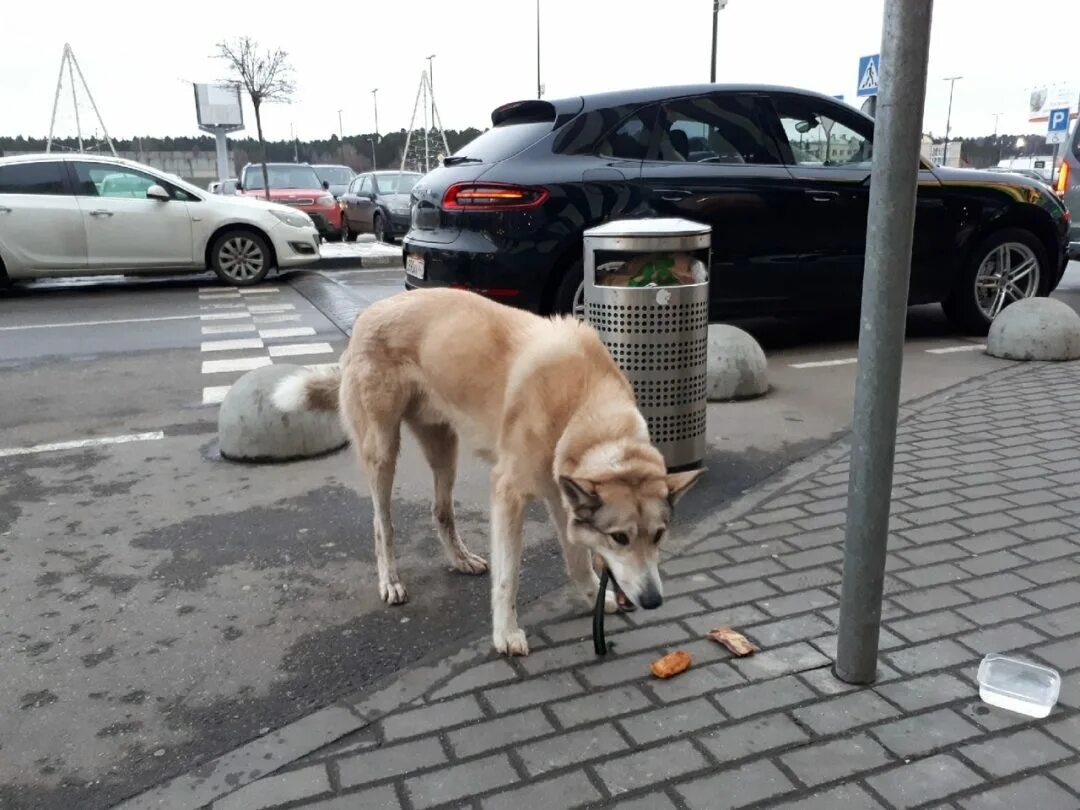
{"points": [[163, 605]]}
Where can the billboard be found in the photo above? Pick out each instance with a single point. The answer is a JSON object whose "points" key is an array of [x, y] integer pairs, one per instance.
{"points": [[1047, 97], [218, 106]]}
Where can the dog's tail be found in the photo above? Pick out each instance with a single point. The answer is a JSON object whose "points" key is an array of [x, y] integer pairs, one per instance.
{"points": [[310, 389]]}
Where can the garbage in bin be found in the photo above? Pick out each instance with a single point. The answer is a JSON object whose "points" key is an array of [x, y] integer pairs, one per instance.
{"points": [[653, 270]]}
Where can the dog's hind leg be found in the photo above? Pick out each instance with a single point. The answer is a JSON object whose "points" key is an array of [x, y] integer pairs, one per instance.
{"points": [[378, 449], [507, 528], [578, 565], [439, 443]]}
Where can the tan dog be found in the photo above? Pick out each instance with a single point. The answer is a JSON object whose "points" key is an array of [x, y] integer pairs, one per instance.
{"points": [[542, 399]]}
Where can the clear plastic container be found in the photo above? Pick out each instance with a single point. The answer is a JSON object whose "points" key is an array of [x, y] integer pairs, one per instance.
{"points": [[1018, 686]]}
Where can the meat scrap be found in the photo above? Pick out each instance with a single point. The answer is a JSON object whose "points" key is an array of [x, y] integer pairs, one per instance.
{"points": [[671, 664], [731, 638]]}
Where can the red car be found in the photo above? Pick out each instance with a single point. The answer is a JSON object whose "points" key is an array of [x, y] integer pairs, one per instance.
{"points": [[297, 185]]}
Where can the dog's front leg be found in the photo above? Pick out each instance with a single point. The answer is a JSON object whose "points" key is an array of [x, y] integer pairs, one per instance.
{"points": [[507, 525]]}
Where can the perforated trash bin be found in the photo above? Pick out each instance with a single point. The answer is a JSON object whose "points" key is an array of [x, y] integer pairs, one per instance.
{"points": [[647, 295]]}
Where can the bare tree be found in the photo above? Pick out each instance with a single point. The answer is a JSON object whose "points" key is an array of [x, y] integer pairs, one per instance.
{"points": [[266, 75]]}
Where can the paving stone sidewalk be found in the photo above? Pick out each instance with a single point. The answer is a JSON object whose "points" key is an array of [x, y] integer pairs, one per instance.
{"points": [[983, 557]]}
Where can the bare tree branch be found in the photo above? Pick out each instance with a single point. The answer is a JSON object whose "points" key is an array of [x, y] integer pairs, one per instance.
{"points": [[266, 75]]}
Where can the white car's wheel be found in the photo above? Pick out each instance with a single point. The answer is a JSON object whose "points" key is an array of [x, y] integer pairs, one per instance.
{"points": [[241, 258]]}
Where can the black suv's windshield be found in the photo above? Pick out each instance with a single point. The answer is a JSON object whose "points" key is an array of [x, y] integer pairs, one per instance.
{"points": [[281, 177]]}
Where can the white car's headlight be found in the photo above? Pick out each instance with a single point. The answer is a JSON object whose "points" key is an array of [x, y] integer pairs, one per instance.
{"points": [[403, 210], [327, 199], [298, 219]]}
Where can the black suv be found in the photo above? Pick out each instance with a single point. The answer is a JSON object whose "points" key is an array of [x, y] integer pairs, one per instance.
{"points": [[782, 175]]}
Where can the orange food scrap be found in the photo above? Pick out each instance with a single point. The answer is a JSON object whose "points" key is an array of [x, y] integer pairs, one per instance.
{"points": [[671, 664]]}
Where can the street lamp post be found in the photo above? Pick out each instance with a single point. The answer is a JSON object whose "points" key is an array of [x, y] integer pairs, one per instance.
{"points": [[952, 80], [375, 101], [997, 115], [372, 142], [539, 92], [716, 6]]}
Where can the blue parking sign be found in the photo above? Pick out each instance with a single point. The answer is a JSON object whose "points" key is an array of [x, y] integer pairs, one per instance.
{"points": [[1059, 120]]}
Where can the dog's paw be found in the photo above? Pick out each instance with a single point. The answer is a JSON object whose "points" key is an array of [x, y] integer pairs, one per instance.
{"points": [[469, 563], [393, 593], [511, 642], [611, 603]]}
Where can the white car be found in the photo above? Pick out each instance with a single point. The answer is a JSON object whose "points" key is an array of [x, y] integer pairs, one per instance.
{"points": [[77, 215]]}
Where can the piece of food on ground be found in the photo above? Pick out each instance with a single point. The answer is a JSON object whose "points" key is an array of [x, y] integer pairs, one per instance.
{"points": [[731, 638], [671, 664]]}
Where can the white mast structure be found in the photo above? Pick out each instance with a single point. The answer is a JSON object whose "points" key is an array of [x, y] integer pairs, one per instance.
{"points": [[69, 61], [425, 163]]}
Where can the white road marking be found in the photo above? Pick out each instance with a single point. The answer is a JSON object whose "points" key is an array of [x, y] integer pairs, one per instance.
{"points": [[847, 361], [80, 443], [270, 307], [228, 328], [293, 349], [234, 364], [231, 345], [971, 347], [214, 394], [275, 318], [209, 296], [238, 305], [258, 290], [99, 323], [224, 316], [288, 331]]}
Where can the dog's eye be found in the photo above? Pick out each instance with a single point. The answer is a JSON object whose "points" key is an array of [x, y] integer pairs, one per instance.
{"points": [[659, 536], [620, 538]]}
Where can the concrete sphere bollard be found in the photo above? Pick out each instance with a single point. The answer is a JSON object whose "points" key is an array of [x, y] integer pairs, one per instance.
{"points": [[250, 428], [737, 366], [1035, 329]]}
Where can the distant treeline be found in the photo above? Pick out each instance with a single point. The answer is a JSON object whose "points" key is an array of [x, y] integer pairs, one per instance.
{"points": [[356, 149]]}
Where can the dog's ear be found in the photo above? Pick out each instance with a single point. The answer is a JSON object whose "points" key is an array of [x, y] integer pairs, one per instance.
{"points": [[581, 495], [679, 484]]}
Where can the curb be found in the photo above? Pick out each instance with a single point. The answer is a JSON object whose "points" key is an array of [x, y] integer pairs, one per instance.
{"points": [[230, 772], [352, 262]]}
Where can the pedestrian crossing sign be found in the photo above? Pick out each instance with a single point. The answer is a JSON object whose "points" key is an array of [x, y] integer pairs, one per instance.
{"points": [[869, 69]]}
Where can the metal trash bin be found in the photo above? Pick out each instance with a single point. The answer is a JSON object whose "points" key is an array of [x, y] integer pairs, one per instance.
{"points": [[657, 331]]}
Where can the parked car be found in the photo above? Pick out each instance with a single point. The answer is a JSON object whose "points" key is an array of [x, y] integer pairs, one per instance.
{"points": [[226, 187], [378, 203], [296, 185], [76, 215], [338, 177], [782, 175], [1067, 186]]}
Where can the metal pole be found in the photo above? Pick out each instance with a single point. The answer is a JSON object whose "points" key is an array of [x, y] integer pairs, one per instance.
{"points": [[948, 119], [372, 142], [997, 115], [75, 104], [375, 101], [222, 143], [889, 228], [341, 137], [56, 98], [431, 86], [427, 159], [89, 95], [712, 64], [538, 92]]}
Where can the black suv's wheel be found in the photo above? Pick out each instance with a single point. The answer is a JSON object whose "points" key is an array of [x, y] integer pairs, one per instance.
{"points": [[240, 258], [347, 233], [570, 295], [378, 226], [1007, 266]]}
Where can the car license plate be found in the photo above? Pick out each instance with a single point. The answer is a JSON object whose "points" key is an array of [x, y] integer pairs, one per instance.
{"points": [[414, 266]]}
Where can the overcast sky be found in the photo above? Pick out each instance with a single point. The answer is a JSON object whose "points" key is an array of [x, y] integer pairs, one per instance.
{"points": [[140, 63]]}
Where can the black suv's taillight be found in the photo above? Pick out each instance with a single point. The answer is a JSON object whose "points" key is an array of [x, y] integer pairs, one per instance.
{"points": [[492, 197]]}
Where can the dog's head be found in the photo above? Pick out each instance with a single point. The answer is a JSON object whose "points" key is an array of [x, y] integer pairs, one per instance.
{"points": [[623, 516]]}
